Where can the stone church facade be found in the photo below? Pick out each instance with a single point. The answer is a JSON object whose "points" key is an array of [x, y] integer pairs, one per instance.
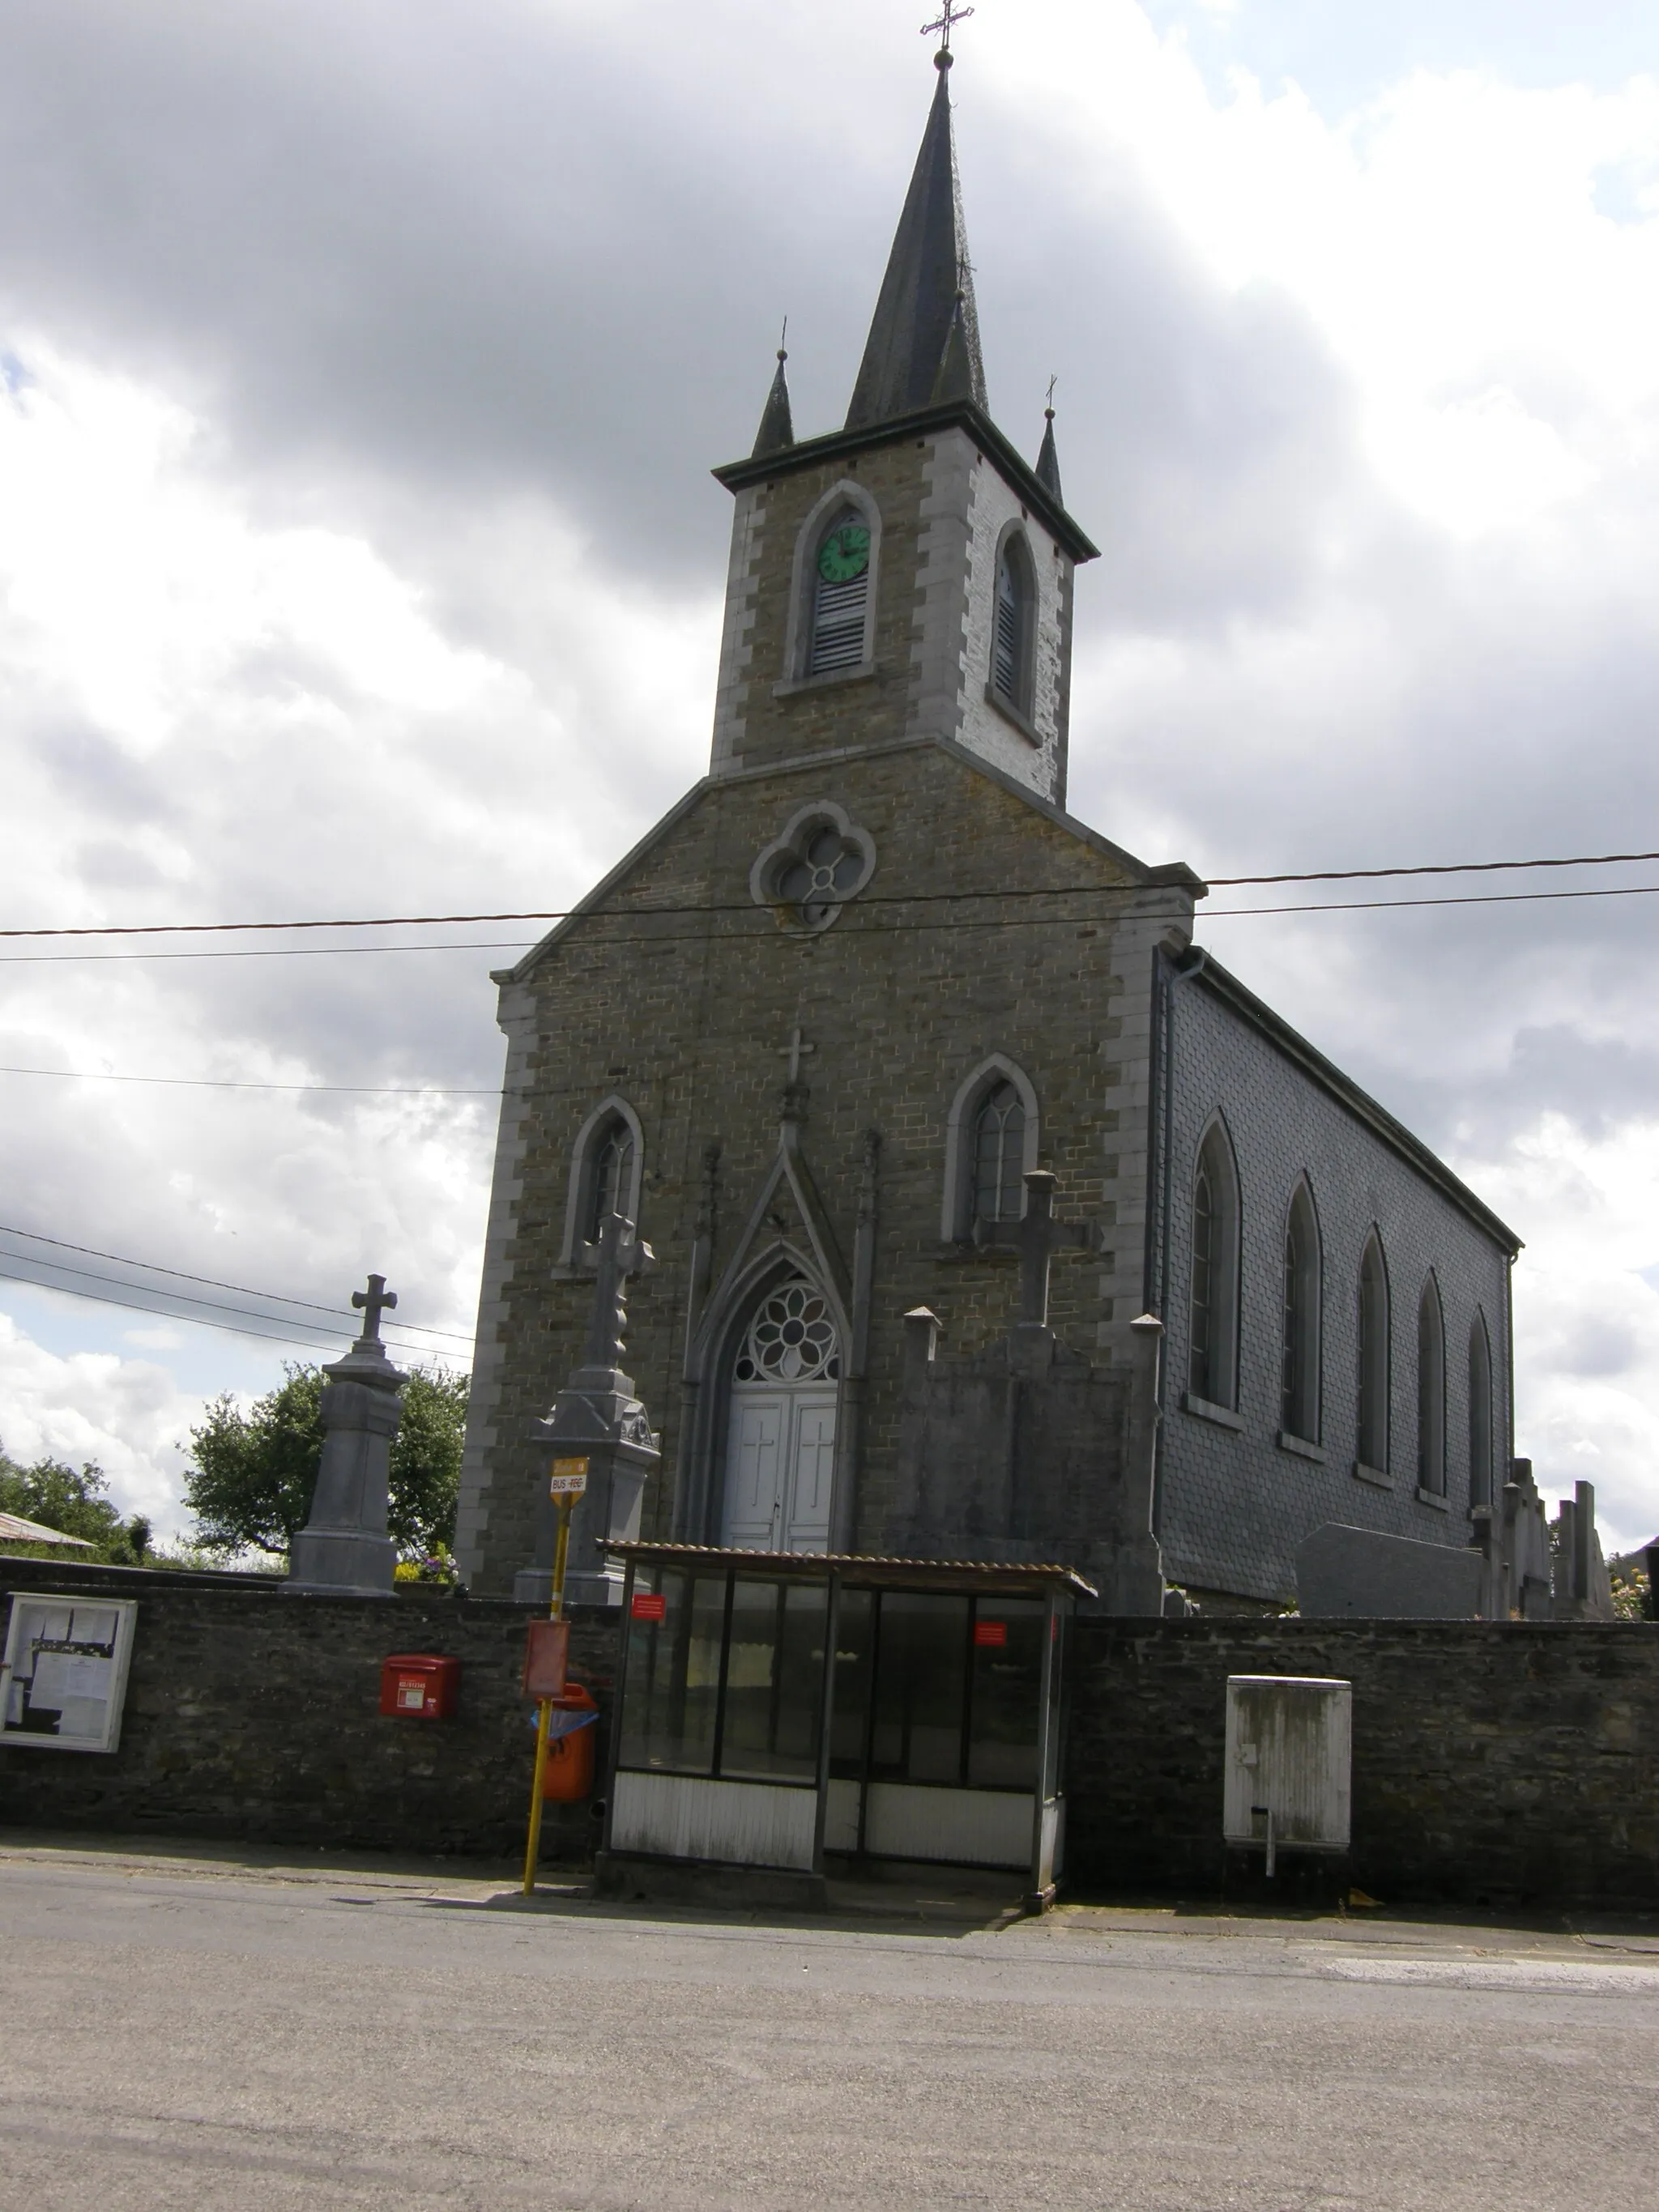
{"points": [[868, 1008]]}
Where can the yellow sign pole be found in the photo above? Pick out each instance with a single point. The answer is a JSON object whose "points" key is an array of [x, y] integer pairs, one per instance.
{"points": [[569, 1481]]}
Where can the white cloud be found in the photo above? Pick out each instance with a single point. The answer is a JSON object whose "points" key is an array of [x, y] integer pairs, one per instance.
{"points": [[128, 1415]]}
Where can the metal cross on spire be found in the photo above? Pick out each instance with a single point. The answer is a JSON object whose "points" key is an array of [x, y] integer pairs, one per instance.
{"points": [[946, 23]]}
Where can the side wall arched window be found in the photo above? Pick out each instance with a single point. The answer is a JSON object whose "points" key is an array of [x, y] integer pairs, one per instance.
{"points": [[1479, 1413], [1299, 1392], [1013, 632], [990, 1141], [606, 1172], [1430, 1393], [1213, 1335], [839, 594], [1374, 1361]]}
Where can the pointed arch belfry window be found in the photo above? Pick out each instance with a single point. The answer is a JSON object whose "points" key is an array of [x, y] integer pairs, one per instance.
{"points": [[1014, 626], [1479, 1413], [1299, 1392], [1430, 1393], [611, 1177], [1373, 1358], [841, 595], [1213, 1328], [992, 1138]]}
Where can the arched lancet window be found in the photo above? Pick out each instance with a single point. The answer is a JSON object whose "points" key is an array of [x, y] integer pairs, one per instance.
{"points": [[1212, 1338], [1011, 633], [605, 1178], [1430, 1393], [840, 588], [1374, 1358], [610, 1177], [1479, 1413], [998, 1156], [1299, 1411]]}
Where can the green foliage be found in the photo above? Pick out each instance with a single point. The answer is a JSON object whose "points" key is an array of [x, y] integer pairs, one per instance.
{"points": [[57, 1497], [252, 1475], [1630, 1592]]}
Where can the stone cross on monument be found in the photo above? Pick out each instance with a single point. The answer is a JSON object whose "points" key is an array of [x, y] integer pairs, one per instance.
{"points": [[622, 1252], [344, 1546], [371, 1303], [1036, 1239]]}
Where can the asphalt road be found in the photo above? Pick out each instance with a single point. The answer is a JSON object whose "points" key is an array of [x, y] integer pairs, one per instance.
{"points": [[194, 2034]]}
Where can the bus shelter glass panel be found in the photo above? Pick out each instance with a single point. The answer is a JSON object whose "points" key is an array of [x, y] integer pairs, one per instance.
{"points": [[773, 1694], [1005, 1693], [670, 1689], [920, 1687], [855, 1656]]}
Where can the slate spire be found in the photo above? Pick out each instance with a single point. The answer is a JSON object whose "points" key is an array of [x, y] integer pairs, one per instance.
{"points": [[926, 309], [777, 428], [1047, 462]]}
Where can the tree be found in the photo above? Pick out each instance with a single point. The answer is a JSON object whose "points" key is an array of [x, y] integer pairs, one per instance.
{"points": [[252, 1475], [78, 1505]]}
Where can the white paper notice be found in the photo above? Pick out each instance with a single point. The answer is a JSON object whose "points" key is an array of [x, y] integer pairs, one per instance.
{"points": [[50, 1685]]}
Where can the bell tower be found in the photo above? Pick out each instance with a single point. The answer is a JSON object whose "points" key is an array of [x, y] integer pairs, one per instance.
{"points": [[907, 577]]}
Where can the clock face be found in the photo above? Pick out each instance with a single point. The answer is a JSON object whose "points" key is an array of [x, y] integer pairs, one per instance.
{"points": [[844, 553]]}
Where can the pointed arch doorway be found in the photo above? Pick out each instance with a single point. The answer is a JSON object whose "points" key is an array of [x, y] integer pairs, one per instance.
{"points": [[781, 1426]]}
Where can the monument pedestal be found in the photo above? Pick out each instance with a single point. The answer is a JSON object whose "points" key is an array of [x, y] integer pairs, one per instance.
{"points": [[344, 1546]]}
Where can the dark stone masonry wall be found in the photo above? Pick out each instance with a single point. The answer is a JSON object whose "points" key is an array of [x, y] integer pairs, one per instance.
{"points": [[1502, 1763], [1495, 1762], [254, 1714]]}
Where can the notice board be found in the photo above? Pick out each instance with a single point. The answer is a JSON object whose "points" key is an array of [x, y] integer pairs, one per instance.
{"points": [[63, 1680]]}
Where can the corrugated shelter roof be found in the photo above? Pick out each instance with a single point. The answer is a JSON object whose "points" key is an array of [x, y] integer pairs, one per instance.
{"points": [[1006, 1578], [14, 1529]]}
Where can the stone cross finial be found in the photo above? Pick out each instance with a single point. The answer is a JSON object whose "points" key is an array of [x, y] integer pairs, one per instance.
{"points": [[621, 1253], [795, 1051], [1036, 1239], [371, 1303]]}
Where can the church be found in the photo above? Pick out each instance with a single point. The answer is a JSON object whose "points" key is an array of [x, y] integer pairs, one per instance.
{"points": [[989, 1219]]}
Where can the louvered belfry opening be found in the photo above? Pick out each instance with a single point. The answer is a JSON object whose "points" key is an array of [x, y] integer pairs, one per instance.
{"points": [[839, 607], [1010, 656]]}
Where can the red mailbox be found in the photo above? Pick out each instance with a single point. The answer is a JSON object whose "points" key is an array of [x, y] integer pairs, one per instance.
{"points": [[416, 1686]]}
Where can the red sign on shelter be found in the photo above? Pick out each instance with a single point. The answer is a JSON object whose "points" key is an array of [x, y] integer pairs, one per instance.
{"points": [[991, 1635], [648, 1606]]}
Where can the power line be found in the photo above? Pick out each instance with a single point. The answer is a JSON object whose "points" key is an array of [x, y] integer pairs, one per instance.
{"points": [[211, 1283], [213, 1083], [101, 1298], [855, 928], [906, 898]]}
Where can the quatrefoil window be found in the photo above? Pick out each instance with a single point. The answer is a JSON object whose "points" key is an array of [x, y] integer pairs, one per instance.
{"points": [[808, 873]]}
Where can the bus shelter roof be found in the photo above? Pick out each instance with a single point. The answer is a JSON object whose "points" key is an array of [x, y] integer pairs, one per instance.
{"points": [[982, 1577]]}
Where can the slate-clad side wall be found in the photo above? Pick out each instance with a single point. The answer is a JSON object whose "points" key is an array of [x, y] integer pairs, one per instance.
{"points": [[1236, 1501], [254, 1715], [1501, 1763]]}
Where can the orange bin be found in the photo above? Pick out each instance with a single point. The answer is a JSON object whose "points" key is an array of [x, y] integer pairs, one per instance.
{"points": [[569, 1772]]}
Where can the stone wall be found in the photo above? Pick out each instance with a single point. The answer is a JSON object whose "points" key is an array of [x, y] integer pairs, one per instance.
{"points": [[254, 1714], [1494, 1763]]}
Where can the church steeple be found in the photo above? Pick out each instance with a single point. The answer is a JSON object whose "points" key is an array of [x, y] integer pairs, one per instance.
{"points": [[777, 428], [1047, 462], [926, 308]]}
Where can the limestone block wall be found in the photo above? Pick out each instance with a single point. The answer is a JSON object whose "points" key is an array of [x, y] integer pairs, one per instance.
{"points": [[688, 1017], [253, 1714], [1505, 1764]]}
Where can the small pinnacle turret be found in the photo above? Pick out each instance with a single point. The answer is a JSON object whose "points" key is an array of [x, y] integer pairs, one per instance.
{"points": [[777, 428], [924, 341], [1048, 460]]}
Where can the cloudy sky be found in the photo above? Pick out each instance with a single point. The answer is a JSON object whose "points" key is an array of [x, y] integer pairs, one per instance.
{"points": [[361, 369]]}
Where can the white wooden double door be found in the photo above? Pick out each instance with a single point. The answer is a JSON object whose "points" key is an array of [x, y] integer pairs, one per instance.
{"points": [[780, 1468]]}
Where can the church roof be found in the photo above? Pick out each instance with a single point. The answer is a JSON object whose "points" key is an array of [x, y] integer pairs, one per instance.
{"points": [[1202, 968], [925, 305]]}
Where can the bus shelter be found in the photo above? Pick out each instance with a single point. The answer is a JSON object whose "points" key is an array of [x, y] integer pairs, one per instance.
{"points": [[785, 1715]]}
